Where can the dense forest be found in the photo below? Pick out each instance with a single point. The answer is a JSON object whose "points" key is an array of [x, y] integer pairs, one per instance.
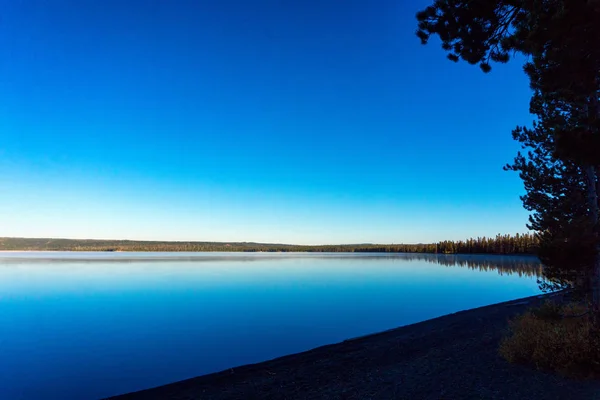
{"points": [[501, 244]]}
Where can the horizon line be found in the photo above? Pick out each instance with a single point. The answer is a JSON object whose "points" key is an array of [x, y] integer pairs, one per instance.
{"points": [[251, 242]]}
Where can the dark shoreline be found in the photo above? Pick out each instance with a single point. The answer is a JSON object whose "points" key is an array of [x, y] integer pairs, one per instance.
{"points": [[453, 356]]}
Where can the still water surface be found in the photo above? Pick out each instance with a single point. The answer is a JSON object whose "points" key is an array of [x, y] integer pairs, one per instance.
{"points": [[90, 325]]}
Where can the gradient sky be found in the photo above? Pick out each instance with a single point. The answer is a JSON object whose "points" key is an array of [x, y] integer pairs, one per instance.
{"points": [[233, 120]]}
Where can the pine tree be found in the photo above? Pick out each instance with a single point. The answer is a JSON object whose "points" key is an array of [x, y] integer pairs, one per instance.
{"points": [[556, 197], [561, 170]]}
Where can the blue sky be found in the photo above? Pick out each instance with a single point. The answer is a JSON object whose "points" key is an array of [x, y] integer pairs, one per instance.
{"points": [[233, 120]]}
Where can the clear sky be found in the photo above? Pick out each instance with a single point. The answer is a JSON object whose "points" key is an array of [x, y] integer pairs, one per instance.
{"points": [[300, 121]]}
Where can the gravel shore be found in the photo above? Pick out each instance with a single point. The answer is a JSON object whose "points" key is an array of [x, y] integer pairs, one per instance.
{"points": [[451, 357]]}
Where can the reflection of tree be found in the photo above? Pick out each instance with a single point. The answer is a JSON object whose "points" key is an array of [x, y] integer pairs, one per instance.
{"points": [[505, 265], [527, 266]]}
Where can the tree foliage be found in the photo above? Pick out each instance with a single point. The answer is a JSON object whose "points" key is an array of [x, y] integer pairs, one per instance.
{"points": [[486, 31], [560, 167], [556, 192]]}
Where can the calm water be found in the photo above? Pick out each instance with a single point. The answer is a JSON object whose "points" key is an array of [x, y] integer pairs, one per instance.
{"points": [[88, 325]]}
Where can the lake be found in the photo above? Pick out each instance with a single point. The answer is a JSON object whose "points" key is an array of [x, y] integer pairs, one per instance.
{"points": [[91, 325]]}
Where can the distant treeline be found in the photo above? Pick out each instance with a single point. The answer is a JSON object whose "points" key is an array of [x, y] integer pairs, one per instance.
{"points": [[501, 244]]}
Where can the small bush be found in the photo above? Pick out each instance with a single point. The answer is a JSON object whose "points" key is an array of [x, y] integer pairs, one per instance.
{"points": [[549, 310], [554, 337]]}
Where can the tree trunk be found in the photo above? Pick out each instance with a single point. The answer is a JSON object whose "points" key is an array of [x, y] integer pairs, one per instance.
{"points": [[592, 179], [593, 175]]}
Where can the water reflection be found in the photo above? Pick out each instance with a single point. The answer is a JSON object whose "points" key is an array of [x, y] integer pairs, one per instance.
{"points": [[527, 266], [90, 325]]}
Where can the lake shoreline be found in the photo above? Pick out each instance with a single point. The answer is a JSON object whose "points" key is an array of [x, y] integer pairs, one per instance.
{"points": [[453, 356], [267, 252]]}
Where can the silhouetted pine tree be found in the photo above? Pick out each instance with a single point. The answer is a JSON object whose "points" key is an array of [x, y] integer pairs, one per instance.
{"points": [[561, 169]]}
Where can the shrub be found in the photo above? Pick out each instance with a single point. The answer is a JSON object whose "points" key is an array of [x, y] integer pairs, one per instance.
{"points": [[554, 337]]}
